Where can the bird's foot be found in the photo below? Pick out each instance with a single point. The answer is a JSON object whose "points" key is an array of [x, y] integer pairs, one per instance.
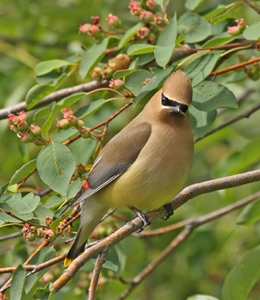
{"points": [[169, 210], [144, 217]]}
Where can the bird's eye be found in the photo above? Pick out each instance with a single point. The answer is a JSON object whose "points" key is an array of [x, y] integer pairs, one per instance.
{"points": [[166, 102]]}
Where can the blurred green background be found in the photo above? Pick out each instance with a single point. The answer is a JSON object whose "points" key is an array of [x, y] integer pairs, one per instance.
{"points": [[32, 31]]}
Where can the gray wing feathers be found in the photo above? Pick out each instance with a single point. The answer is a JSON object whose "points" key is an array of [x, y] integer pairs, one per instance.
{"points": [[116, 157]]}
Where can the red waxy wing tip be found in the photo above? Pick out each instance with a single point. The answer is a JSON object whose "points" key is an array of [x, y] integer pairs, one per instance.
{"points": [[85, 185]]}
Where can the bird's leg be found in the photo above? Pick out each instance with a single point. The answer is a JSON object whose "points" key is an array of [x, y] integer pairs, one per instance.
{"points": [[144, 218], [169, 210]]}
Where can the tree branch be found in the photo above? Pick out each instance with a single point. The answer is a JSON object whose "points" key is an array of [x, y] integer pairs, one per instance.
{"points": [[55, 96], [245, 114], [97, 269], [255, 8], [236, 66], [131, 227], [190, 225]]}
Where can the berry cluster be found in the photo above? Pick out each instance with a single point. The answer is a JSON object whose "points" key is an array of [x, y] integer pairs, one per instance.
{"points": [[252, 71], [148, 13], [25, 132], [30, 232], [69, 120], [154, 22]]}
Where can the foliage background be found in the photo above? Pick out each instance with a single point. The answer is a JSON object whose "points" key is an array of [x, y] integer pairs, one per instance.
{"points": [[33, 31]]}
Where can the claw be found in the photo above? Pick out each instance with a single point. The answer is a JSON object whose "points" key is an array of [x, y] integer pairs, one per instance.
{"points": [[169, 210], [144, 218]]}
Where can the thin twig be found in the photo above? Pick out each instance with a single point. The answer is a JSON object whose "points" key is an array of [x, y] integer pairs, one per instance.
{"points": [[252, 5], [10, 236], [55, 96], [235, 66], [181, 237], [97, 269], [201, 220], [245, 114], [187, 194]]}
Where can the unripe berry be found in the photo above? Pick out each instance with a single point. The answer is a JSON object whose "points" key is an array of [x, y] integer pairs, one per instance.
{"points": [[24, 136], [22, 124], [22, 115], [35, 130], [12, 119], [64, 124], [84, 132]]}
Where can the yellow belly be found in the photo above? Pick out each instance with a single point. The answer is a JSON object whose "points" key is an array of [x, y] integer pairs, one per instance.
{"points": [[145, 189]]}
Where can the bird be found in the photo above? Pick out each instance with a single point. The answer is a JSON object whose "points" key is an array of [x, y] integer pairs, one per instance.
{"points": [[143, 166]]}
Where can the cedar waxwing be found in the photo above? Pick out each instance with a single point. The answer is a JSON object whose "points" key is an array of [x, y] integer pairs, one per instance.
{"points": [[145, 165]]}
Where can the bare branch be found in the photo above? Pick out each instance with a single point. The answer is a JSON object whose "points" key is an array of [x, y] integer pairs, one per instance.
{"points": [[252, 5], [131, 227], [10, 236], [236, 66], [55, 96], [214, 185], [97, 269], [190, 225], [245, 114], [181, 237]]}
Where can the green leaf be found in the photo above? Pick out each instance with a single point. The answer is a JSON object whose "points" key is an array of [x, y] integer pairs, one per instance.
{"points": [[194, 27], [223, 13], [166, 43], [193, 4], [129, 34], [111, 262], [74, 188], [252, 32], [47, 66], [24, 205], [52, 115], [243, 277], [201, 121], [219, 40], [41, 213], [130, 70], [39, 91], [5, 218], [201, 67], [220, 9], [17, 285], [41, 113], [135, 81], [49, 78], [53, 201], [64, 135], [55, 165], [250, 214], [23, 172], [90, 109], [201, 297], [138, 49], [42, 256], [42, 294], [71, 99], [240, 161], [209, 95], [154, 83], [92, 57]]}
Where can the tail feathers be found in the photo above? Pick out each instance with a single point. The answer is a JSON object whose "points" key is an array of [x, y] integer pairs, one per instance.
{"points": [[92, 212], [75, 250], [76, 247]]}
